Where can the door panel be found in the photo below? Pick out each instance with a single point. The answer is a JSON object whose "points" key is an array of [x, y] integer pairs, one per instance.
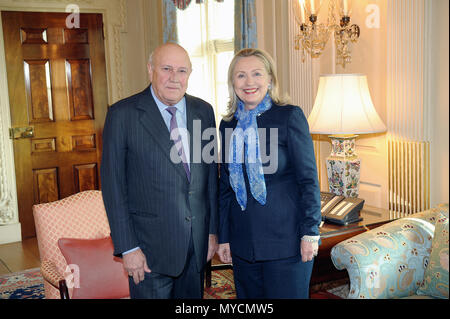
{"points": [[57, 85], [38, 90]]}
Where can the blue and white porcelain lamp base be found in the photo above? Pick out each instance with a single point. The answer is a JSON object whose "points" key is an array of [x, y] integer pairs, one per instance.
{"points": [[343, 166]]}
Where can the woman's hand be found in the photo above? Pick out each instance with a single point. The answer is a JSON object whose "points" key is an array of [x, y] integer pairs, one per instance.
{"points": [[308, 250], [224, 253]]}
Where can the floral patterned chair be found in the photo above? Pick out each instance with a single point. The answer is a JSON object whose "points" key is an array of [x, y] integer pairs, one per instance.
{"points": [[407, 257], [79, 216]]}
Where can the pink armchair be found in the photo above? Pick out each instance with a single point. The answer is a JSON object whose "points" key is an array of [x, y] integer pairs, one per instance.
{"points": [[79, 216]]}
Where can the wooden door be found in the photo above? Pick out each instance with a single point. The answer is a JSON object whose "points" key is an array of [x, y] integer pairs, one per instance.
{"points": [[57, 85]]}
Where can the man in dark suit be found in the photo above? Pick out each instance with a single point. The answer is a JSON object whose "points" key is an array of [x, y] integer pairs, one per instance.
{"points": [[161, 205]]}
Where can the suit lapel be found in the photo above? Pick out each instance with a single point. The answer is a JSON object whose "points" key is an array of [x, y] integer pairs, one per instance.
{"points": [[153, 122]]}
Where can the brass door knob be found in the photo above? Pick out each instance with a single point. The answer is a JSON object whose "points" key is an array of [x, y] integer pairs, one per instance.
{"points": [[21, 132]]}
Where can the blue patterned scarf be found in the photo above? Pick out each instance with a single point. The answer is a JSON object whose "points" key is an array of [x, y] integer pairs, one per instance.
{"points": [[246, 132]]}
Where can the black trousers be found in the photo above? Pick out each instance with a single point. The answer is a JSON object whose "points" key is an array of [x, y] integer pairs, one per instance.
{"points": [[188, 285]]}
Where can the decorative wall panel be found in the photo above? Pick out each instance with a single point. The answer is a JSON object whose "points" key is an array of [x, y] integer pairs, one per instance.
{"points": [[408, 106]]}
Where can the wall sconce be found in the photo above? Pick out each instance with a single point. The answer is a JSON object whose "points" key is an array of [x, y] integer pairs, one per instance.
{"points": [[314, 36]]}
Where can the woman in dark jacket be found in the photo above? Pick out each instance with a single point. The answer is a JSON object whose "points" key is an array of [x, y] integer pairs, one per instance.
{"points": [[269, 202]]}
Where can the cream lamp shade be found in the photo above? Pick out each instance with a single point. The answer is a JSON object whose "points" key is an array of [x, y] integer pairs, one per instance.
{"points": [[343, 106]]}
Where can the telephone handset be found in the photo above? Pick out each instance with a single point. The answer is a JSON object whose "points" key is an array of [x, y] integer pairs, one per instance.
{"points": [[328, 201], [339, 209]]}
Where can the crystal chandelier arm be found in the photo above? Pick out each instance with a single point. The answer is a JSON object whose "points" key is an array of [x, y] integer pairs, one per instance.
{"points": [[313, 36]]}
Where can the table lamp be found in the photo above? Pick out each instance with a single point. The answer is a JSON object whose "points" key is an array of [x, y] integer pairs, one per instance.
{"points": [[343, 108]]}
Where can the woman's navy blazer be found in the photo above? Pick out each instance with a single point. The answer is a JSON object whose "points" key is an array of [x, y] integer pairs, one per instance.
{"points": [[274, 230]]}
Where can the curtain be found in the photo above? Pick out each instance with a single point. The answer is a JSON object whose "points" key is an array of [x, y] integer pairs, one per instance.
{"points": [[245, 25], [169, 15]]}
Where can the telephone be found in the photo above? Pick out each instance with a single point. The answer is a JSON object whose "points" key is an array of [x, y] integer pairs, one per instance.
{"points": [[339, 209]]}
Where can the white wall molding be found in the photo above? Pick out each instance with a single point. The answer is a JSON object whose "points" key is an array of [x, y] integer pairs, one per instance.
{"points": [[409, 111], [304, 75], [409, 25], [8, 202]]}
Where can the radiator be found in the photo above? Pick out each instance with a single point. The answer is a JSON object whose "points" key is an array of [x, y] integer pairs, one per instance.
{"points": [[409, 177]]}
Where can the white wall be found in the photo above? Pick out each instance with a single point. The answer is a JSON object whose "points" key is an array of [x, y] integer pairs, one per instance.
{"points": [[440, 103], [142, 35], [372, 55]]}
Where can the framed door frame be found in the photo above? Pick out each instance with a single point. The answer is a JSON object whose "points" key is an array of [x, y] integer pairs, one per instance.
{"points": [[115, 22]]}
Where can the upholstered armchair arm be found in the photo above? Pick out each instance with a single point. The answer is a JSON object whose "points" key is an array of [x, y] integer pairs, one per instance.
{"points": [[388, 261], [50, 273]]}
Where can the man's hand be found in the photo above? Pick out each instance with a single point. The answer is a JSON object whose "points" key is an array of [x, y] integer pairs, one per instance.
{"points": [[224, 253], [212, 247], [135, 265], [308, 250]]}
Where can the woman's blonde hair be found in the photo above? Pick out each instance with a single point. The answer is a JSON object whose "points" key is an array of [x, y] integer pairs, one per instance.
{"points": [[269, 65]]}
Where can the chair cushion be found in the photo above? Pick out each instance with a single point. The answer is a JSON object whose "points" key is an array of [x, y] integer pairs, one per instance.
{"points": [[97, 273], [435, 281]]}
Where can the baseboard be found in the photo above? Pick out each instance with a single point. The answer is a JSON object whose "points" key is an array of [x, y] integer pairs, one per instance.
{"points": [[10, 233]]}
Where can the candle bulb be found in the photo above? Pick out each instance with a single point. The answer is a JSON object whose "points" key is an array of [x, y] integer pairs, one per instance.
{"points": [[302, 10], [345, 7]]}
